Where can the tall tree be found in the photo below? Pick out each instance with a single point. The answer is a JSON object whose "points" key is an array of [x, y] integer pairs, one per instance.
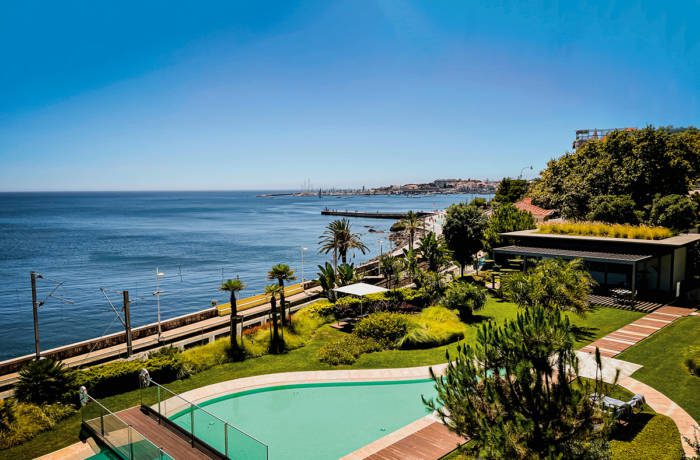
{"points": [[505, 217], [233, 286], [678, 212], [412, 223], [639, 164], [346, 274], [464, 233], [276, 343], [433, 251], [510, 190], [339, 239], [281, 273], [554, 284], [515, 394]]}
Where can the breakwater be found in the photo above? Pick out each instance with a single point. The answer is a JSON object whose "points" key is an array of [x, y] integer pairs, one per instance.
{"points": [[372, 214]]}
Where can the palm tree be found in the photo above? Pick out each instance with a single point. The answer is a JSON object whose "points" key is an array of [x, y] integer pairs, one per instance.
{"points": [[327, 278], [433, 251], [339, 238], [43, 381], [412, 223], [281, 273], [346, 274], [232, 287], [391, 267], [276, 345]]}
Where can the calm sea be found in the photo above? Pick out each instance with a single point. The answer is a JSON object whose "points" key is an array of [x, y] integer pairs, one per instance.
{"points": [[81, 242]]}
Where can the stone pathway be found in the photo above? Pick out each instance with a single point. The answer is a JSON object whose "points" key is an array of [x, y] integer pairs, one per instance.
{"points": [[618, 341], [663, 405]]}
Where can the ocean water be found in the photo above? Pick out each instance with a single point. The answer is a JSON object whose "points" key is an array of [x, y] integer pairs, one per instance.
{"points": [[81, 242]]}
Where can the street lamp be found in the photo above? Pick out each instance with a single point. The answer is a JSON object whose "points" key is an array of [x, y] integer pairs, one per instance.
{"points": [[159, 275], [302, 268], [523, 170]]}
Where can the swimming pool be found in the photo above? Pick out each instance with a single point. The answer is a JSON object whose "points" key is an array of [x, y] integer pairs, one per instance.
{"points": [[312, 421]]}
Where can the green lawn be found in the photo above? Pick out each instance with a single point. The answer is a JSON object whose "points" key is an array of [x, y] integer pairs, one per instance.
{"points": [[597, 323], [662, 356]]}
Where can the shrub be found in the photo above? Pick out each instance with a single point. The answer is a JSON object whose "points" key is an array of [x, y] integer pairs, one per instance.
{"points": [[347, 307], [44, 381], [692, 361], [28, 420], [613, 209], [307, 320], [203, 357], [7, 413], [678, 212], [346, 350], [433, 327], [643, 232], [322, 308], [120, 376], [386, 328], [465, 298]]}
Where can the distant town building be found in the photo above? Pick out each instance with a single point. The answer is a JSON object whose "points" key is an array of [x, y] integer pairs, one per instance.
{"points": [[584, 135]]}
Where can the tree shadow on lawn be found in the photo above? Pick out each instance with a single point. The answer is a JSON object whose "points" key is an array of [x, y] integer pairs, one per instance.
{"points": [[583, 333], [478, 319], [627, 432]]}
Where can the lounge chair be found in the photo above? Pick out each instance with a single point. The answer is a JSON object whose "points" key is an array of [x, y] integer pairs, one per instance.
{"points": [[621, 409]]}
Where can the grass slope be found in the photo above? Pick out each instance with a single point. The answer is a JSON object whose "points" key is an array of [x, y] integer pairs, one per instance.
{"points": [[597, 323], [662, 356]]}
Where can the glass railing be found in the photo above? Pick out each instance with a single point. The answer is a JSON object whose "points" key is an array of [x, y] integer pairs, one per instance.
{"points": [[202, 425], [119, 436]]}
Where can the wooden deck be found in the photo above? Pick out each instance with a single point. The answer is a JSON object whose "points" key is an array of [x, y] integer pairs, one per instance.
{"points": [[638, 305], [429, 443], [173, 444]]}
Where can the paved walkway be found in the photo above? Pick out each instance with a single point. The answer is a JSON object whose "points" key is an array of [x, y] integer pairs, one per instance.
{"points": [[663, 405], [618, 341]]}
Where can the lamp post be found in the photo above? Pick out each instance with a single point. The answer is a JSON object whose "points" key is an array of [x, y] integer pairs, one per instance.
{"points": [[159, 275], [523, 170], [302, 268]]}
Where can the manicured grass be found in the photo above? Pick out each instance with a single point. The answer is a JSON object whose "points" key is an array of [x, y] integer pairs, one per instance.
{"points": [[596, 324], [662, 356]]}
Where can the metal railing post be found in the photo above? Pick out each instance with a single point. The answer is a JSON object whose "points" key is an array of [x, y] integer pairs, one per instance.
{"points": [[159, 412], [226, 439], [131, 443], [192, 423], [102, 421]]}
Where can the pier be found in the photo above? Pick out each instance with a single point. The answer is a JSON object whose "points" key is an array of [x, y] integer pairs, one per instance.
{"points": [[373, 215]]}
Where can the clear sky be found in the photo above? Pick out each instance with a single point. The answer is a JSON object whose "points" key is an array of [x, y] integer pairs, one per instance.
{"points": [[260, 95]]}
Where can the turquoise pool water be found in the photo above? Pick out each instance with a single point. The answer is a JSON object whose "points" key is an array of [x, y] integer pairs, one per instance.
{"points": [[314, 421]]}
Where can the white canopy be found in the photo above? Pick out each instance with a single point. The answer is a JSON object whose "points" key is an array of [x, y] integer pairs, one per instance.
{"points": [[360, 289]]}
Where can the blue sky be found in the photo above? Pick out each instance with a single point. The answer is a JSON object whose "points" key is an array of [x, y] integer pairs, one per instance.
{"points": [[260, 95]]}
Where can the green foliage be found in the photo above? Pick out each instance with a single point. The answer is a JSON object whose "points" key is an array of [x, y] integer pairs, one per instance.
{"points": [[506, 218], [28, 420], [338, 238], [410, 263], [510, 190], [510, 393], [398, 226], [431, 285], [203, 357], [390, 266], [384, 327], [432, 327], [642, 232], [346, 350], [321, 308], [412, 223], [674, 211], [44, 381], [7, 414], [466, 298], [464, 233], [692, 360], [639, 164], [347, 307], [346, 274], [119, 376], [479, 202], [433, 251], [554, 284], [327, 279], [613, 209]]}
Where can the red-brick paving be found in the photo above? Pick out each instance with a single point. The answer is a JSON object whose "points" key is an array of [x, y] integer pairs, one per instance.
{"points": [[618, 341], [429, 443]]}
